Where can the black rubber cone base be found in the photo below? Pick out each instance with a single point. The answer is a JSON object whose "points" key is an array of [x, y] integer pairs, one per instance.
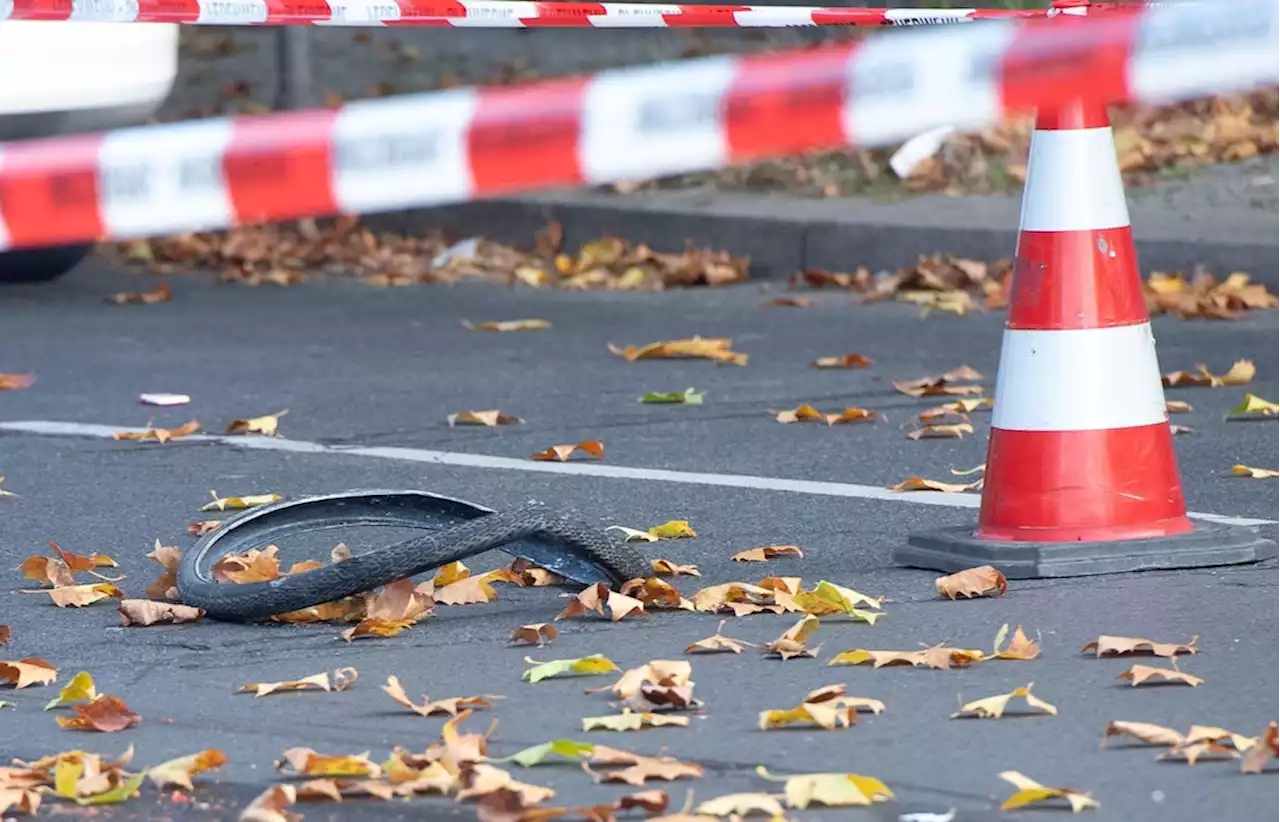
{"points": [[955, 549]]}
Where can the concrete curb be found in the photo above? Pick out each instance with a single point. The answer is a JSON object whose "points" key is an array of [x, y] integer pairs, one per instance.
{"points": [[783, 234]]}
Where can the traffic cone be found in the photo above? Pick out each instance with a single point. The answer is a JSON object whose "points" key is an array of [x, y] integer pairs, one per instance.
{"points": [[1081, 475]]}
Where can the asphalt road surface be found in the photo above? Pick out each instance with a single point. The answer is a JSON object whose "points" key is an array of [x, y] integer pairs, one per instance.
{"points": [[364, 367]]}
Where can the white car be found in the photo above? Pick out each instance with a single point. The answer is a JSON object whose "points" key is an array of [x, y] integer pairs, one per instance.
{"points": [[59, 78]]}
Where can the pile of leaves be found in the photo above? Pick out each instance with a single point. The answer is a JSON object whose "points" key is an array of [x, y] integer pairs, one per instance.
{"points": [[280, 254], [1151, 142]]}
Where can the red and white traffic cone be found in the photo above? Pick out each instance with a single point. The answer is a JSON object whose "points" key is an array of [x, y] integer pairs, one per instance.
{"points": [[1081, 474]]}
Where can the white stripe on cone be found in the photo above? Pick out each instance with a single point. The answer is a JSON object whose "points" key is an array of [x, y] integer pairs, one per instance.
{"points": [[1073, 182], [1088, 379]]}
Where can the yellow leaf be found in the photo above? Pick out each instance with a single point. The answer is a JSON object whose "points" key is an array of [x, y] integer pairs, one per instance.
{"points": [[440, 707], [673, 529], [742, 804], [236, 503], [265, 425], [830, 789], [1029, 792], [180, 771], [79, 596], [935, 656], [955, 431], [631, 721], [1241, 373], [80, 687], [1254, 473], [558, 748], [1253, 404], [792, 642], [828, 598], [993, 707], [693, 348], [305, 761], [767, 553], [593, 665]]}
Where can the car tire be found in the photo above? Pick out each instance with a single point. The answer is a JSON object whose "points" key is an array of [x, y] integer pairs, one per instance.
{"points": [[34, 265]]}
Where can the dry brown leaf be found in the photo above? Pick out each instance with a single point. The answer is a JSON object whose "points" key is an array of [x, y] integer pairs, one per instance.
{"points": [[828, 707], [23, 673], [440, 707], [668, 568], [160, 435], [843, 361], [533, 576], [972, 582], [717, 349], [486, 418], [5, 633], [1138, 674], [107, 714], [474, 590], [955, 431], [807, 413], [1209, 733], [306, 762], [743, 598], [166, 585], [1116, 645], [942, 385], [717, 643], [258, 565], [957, 409], [645, 768], [265, 425], [791, 645], [994, 707], [736, 805], [918, 483], [272, 805], [935, 656], [178, 772], [656, 593], [1030, 792], [1254, 473], [593, 449], [342, 679], [79, 596], [1177, 407], [47, 571], [147, 612], [396, 607], [767, 553], [1205, 297], [661, 672], [199, 529], [538, 633], [162, 293], [1241, 372], [787, 302], [652, 698], [1021, 647], [1267, 747], [507, 325], [1144, 732], [1193, 751]]}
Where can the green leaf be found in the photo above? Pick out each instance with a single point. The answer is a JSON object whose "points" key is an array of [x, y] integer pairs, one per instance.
{"points": [[687, 397], [559, 748], [1000, 638], [593, 665], [119, 793]]}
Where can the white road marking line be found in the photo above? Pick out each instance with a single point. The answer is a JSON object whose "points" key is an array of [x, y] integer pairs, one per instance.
{"points": [[814, 487]]}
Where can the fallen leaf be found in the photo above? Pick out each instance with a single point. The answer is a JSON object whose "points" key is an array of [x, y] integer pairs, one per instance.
{"points": [[22, 673], [80, 688], [593, 449], [993, 707], [314, 682], [1021, 647], [50, 571], [1144, 732], [567, 749], [1208, 733], [767, 553], [265, 425], [538, 633], [631, 721], [673, 529], [743, 598], [787, 302], [807, 413], [1106, 645], [667, 568], [16, 382], [843, 361], [650, 698], [717, 643], [661, 672], [593, 665], [237, 503], [166, 585], [305, 761], [4, 634], [662, 768], [1178, 430], [942, 385], [79, 596], [199, 529], [180, 771], [828, 707], [440, 707], [4, 493], [692, 348], [1255, 759], [107, 714], [487, 418], [656, 593], [1254, 473], [507, 325], [935, 656], [918, 483], [147, 612], [272, 805], [1254, 406], [1031, 792], [792, 642], [160, 435], [396, 607], [161, 294], [1240, 373], [474, 590], [687, 397], [959, 409], [955, 431], [478, 779], [830, 790], [1193, 751], [1139, 674], [828, 599], [742, 804], [1177, 407], [972, 582], [633, 534]]}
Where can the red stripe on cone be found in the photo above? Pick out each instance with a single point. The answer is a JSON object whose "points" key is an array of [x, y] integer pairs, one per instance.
{"points": [[1076, 279], [1092, 486]]}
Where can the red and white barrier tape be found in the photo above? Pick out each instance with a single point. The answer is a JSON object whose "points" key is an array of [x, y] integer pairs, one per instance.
{"points": [[499, 14], [673, 118]]}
